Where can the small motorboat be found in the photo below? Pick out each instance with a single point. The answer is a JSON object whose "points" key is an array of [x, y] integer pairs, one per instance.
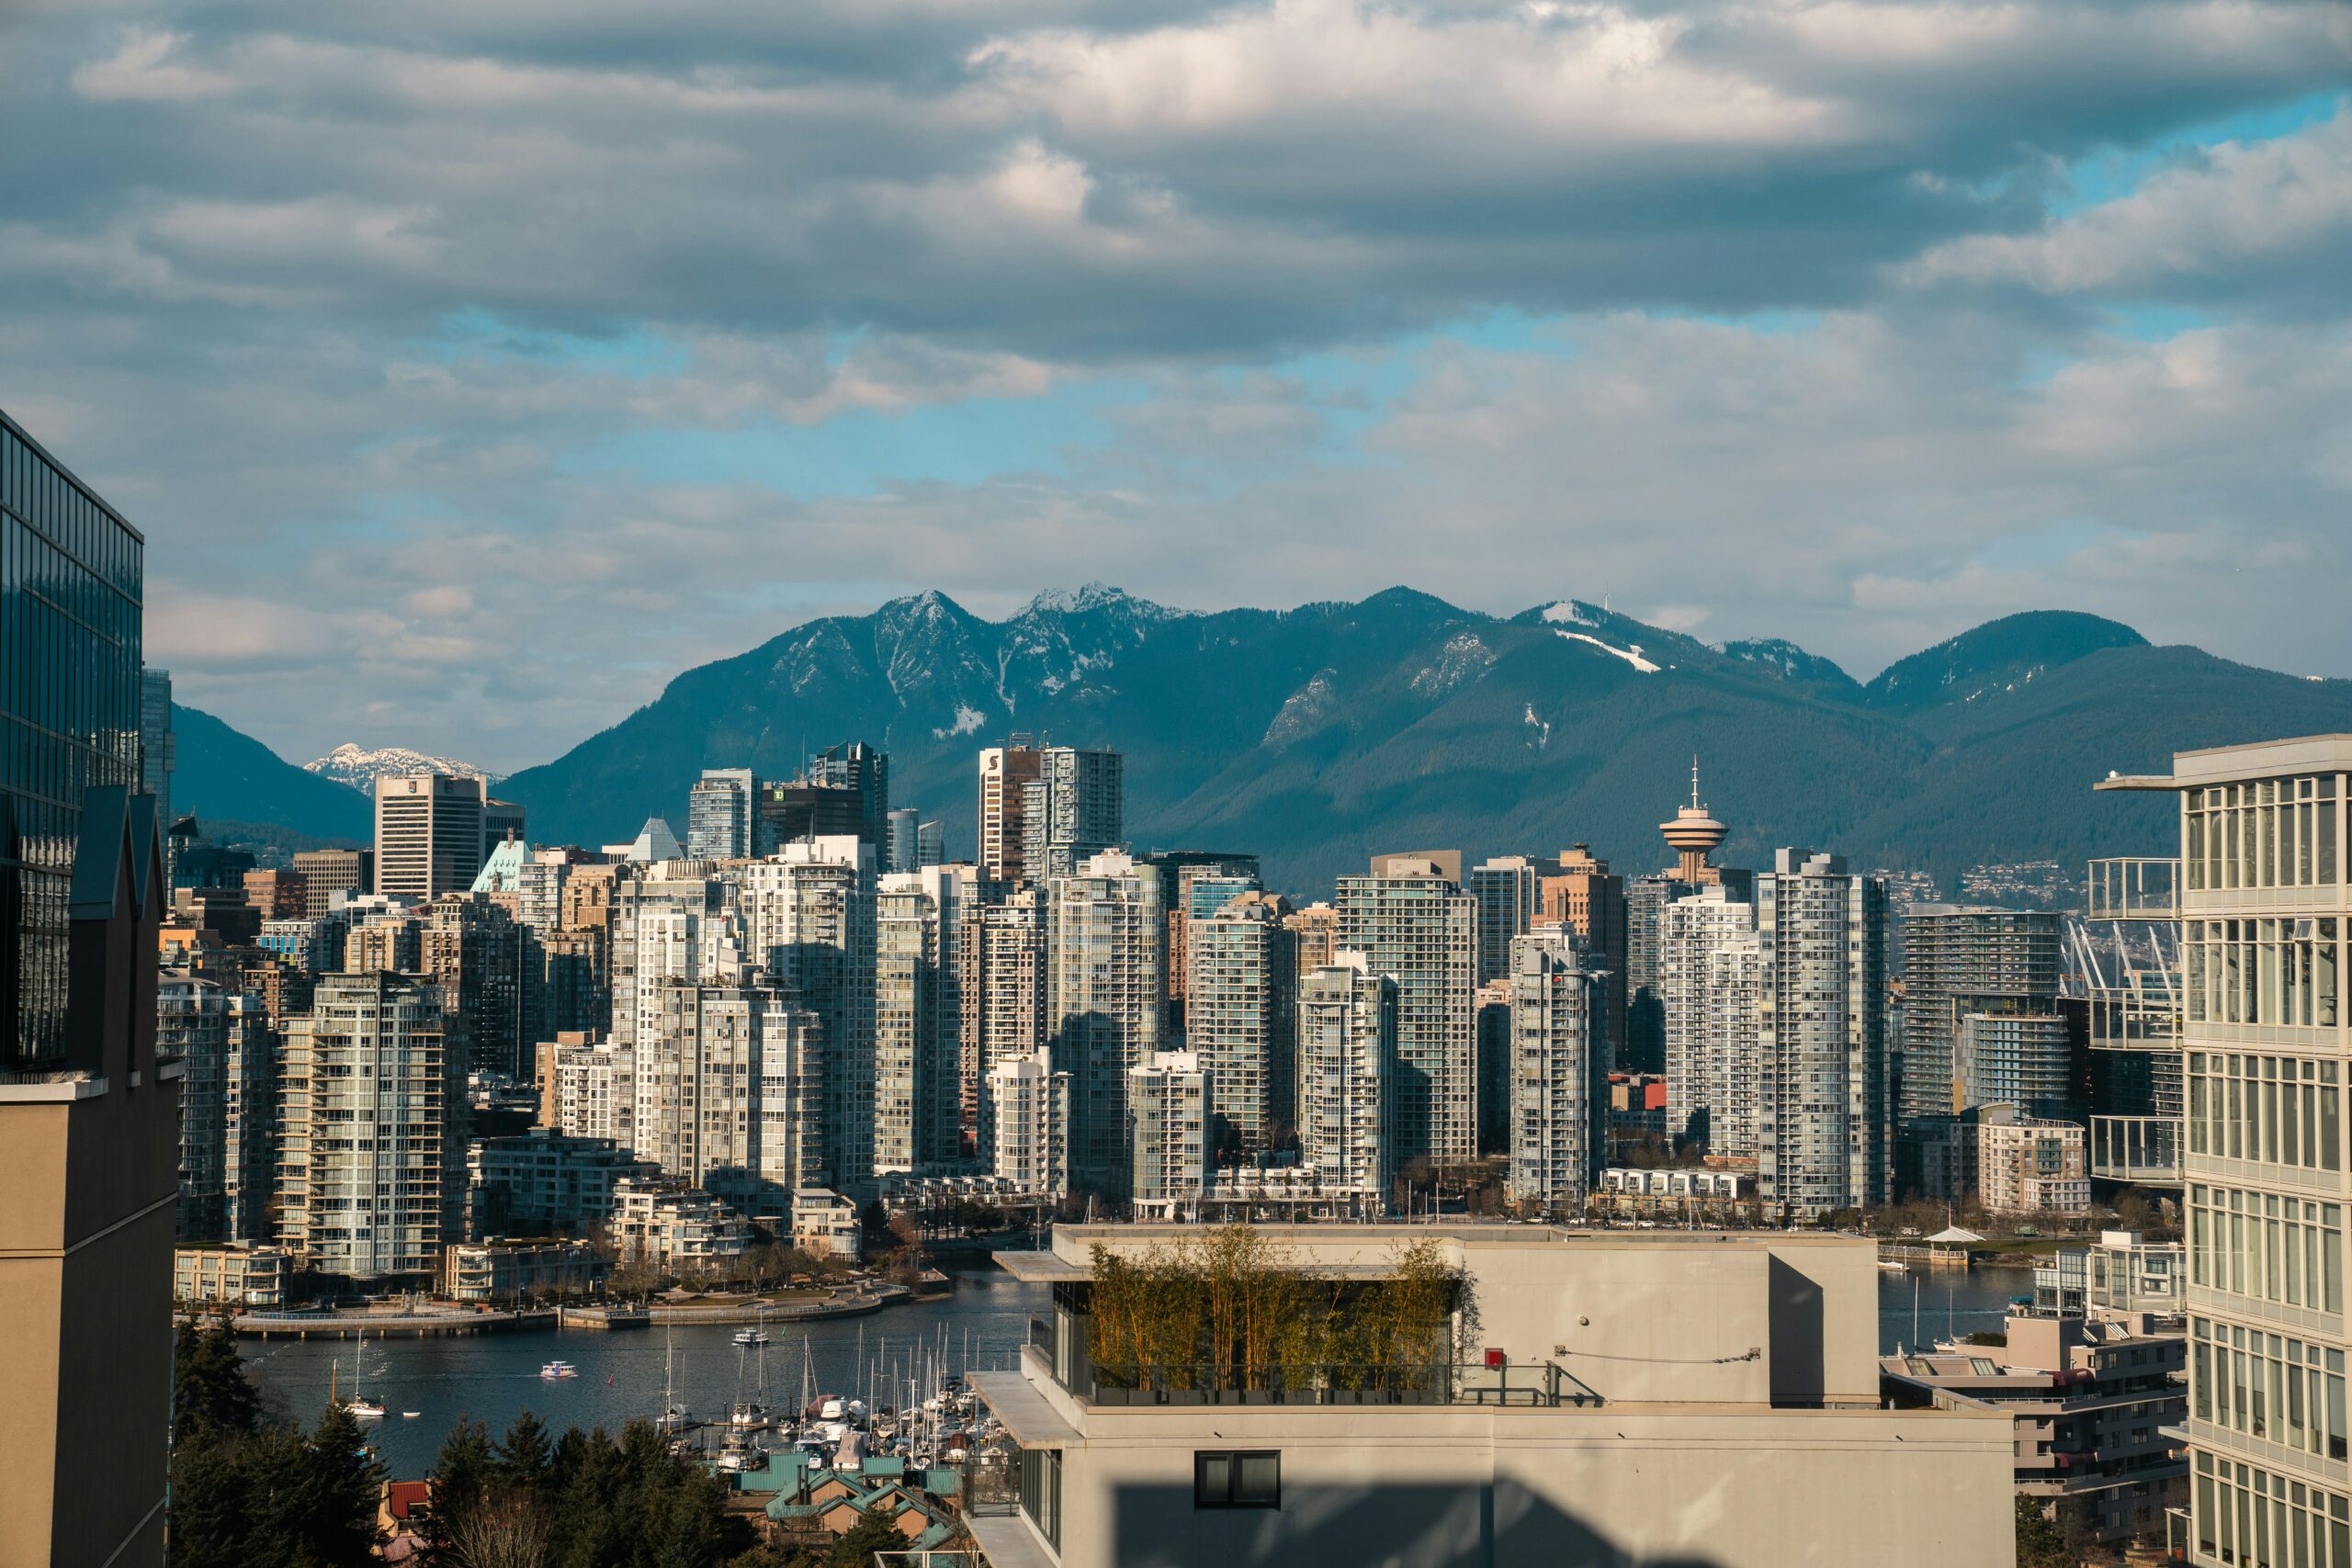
{"points": [[750, 1336], [411, 1415], [559, 1369]]}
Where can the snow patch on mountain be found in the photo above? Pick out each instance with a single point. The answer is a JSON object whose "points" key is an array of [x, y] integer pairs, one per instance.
{"points": [[1462, 660], [360, 766], [1302, 711], [1631, 653], [1542, 728], [1569, 612], [968, 721]]}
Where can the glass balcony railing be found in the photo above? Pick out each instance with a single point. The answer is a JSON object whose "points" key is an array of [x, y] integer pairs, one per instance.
{"points": [[2131, 1018], [2143, 1149], [2135, 888]]}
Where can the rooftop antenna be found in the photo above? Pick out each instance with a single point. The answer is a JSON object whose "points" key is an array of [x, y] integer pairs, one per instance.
{"points": [[1694, 778]]}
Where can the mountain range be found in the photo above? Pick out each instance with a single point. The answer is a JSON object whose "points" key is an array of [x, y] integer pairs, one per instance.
{"points": [[360, 767], [1317, 736]]}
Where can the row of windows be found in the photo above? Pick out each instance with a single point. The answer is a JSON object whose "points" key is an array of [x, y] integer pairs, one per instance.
{"points": [[2265, 971], [66, 514], [2248, 1515], [2267, 1247], [2267, 833], [2270, 1386], [2279, 1109]]}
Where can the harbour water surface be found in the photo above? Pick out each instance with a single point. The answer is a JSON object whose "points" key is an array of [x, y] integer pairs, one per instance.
{"points": [[493, 1378]]}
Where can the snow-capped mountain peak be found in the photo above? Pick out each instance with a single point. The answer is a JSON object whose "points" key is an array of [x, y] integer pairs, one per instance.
{"points": [[360, 767]]}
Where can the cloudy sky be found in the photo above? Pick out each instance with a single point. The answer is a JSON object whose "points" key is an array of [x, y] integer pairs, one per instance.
{"points": [[473, 367]]}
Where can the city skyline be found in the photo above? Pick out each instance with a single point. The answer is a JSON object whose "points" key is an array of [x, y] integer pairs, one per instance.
{"points": [[435, 344]]}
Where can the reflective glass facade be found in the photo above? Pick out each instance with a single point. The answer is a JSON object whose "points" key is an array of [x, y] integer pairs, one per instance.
{"points": [[70, 589]]}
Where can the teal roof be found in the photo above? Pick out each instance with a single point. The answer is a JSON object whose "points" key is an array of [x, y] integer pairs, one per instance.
{"points": [[942, 1482], [782, 1472], [890, 1467], [502, 872]]}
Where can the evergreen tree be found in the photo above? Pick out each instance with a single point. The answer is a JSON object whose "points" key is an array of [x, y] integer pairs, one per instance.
{"points": [[2040, 1544], [209, 1520], [461, 1479], [209, 1387], [522, 1460], [857, 1545], [343, 1483]]}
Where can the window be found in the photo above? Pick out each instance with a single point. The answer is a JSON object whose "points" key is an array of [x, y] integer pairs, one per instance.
{"points": [[1237, 1479]]}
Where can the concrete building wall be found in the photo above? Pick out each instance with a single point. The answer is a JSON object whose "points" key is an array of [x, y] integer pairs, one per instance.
{"points": [[1721, 1487]]}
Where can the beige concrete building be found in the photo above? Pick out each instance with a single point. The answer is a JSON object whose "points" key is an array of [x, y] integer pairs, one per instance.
{"points": [[1611, 1399], [428, 834], [2029, 1165], [2264, 896], [221, 1275]]}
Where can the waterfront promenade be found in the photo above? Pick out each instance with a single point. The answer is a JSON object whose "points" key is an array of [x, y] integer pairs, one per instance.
{"points": [[448, 1319]]}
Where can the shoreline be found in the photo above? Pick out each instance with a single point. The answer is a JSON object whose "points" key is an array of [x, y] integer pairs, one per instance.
{"points": [[461, 1323]]}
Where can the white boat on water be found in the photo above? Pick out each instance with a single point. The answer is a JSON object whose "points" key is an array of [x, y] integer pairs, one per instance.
{"points": [[1894, 1265], [359, 1406], [750, 1336], [559, 1369]]}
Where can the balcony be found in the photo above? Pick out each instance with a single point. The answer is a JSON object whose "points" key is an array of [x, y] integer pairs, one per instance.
{"points": [[1543, 1385], [2141, 1149], [2135, 888], [2134, 1018]]}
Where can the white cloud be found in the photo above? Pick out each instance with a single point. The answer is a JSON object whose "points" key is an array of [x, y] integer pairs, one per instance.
{"points": [[148, 65]]}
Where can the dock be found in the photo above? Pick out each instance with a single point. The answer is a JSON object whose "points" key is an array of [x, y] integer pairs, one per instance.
{"points": [[386, 1326]]}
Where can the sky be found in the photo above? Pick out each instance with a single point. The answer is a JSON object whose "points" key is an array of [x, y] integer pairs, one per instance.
{"points": [[472, 369]]}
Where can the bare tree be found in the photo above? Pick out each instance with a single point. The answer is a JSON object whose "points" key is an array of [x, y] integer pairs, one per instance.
{"points": [[505, 1531]]}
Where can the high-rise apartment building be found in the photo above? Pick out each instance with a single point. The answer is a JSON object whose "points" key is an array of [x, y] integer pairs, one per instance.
{"points": [[475, 952], [1825, 1135], [1194, 886], [88, 1145], [730, 1088], [588, 1088], [1316, 931], [1001, 988], [1028, 1131], [1006, 772], [722, 815], [1106, 942], [1071, 811], [1240, 1022], [429, 836], [502, 822], [228, 1050], [1582, 894], [680, 924], [1646, 898], [1508, 892], [865, 773], [1347, 1051], [809, 923], [1956, 962], [1559, 1084], [902, 848], [1168, 1112], [1710, 982], [2264, 903], [371, 1159], [331, 876], [918, 1020], [1414, 923], [930, 844], [158, 752]]}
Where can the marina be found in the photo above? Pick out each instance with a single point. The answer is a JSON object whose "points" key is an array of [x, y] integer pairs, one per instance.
{"points": [[433, 1383], [694, 1370]]}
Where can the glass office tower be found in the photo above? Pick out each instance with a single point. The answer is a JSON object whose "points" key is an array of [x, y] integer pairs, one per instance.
{"points": [[70, 587]]}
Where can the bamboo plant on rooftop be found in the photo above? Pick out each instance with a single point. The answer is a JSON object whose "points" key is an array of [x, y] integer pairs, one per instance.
{"points": [[1227, 1311]]}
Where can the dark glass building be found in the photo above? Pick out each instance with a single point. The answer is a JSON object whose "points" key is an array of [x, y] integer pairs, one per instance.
{"points": [[71, 572]]}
